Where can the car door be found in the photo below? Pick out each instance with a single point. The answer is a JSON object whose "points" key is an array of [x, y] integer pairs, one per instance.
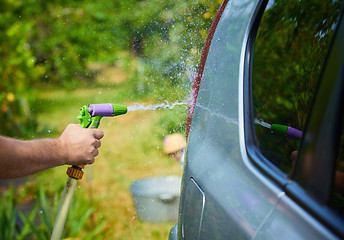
{"points": [[312, 206], [311, 33], [223, 195], [233, 187]]}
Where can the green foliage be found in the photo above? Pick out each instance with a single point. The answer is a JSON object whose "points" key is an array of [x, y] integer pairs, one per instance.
{"points": [[39, 223], [77, 224], [9, 227], [17, 71], [171, 121], [52, 43], [169, 42], [7, 216]]}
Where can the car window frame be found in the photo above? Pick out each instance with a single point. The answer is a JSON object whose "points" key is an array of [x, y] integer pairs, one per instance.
{"points": [[331, 88], [317, 204], [252, 148], [293, 190]]}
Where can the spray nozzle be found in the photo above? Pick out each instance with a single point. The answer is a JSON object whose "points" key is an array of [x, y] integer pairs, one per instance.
{"points": [[107, 109], [90, 116], [283, 130]]}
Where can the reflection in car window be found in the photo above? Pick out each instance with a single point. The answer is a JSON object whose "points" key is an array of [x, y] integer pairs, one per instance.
{"points": [[290, 48], [337, 198]]}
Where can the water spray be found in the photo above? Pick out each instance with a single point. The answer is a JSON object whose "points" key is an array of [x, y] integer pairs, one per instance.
{"points": [[89, 118], [164, 105]]}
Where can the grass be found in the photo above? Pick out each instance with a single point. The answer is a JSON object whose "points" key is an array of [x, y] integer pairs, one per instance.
{"points": [[131, 149]]}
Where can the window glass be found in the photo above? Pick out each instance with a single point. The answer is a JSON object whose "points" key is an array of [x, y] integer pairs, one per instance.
{"points": [[290, 48], [337, 198]]}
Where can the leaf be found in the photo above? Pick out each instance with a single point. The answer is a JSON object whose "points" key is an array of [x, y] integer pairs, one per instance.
{"points": [[30, 223], [95, 231], [26, 229], [80, 222]]}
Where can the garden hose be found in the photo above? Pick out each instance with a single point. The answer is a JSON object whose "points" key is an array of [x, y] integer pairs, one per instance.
{"points": [[90, 118]]}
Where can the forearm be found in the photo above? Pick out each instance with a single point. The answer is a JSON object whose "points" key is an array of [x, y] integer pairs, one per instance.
{"points": [[20, 158], [75, 146]]}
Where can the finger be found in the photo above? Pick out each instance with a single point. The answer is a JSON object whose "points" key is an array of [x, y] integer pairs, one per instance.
{"points": [[294, 155], [98, 134], [95, 152], [91, 161], [97, 143], [91, 158]]}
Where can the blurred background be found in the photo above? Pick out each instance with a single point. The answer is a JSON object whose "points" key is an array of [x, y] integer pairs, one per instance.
{"points": [[57, 56]]}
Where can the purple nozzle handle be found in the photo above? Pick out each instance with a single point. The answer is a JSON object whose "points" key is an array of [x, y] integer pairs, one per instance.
{"points": [[294, 133], [104, 109]]}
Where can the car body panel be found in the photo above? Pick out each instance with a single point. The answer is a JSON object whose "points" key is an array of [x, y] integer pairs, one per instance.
{"points": [[194, 201], [224, 195], [290, 221], [236, 196]]}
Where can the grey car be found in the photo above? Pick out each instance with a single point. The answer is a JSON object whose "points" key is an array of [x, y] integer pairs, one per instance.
{"points": [[267, 68]]}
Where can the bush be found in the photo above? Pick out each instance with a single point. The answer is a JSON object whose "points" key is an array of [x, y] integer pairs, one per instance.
{"points": [[18, 71], [53, 42]]}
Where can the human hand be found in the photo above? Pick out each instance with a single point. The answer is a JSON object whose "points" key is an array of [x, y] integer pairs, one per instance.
{"points": [[294, 155], [79, 146]]}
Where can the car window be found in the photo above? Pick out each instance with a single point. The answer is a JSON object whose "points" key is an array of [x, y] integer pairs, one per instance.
{"points": [[289, 51], [337, 198]]}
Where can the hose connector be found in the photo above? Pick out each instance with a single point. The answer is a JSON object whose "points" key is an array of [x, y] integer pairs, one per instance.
{"points": [[75, 172]]}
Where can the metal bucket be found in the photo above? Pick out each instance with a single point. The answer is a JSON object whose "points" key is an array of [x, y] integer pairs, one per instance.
{"points": [[156, 199]]}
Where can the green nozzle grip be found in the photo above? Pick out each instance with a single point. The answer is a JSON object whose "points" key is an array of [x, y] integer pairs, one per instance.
{"points": [[279, 129], [119, 109]]}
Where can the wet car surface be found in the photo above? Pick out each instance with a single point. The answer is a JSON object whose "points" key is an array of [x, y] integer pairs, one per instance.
{"points": [[268, 62]]}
